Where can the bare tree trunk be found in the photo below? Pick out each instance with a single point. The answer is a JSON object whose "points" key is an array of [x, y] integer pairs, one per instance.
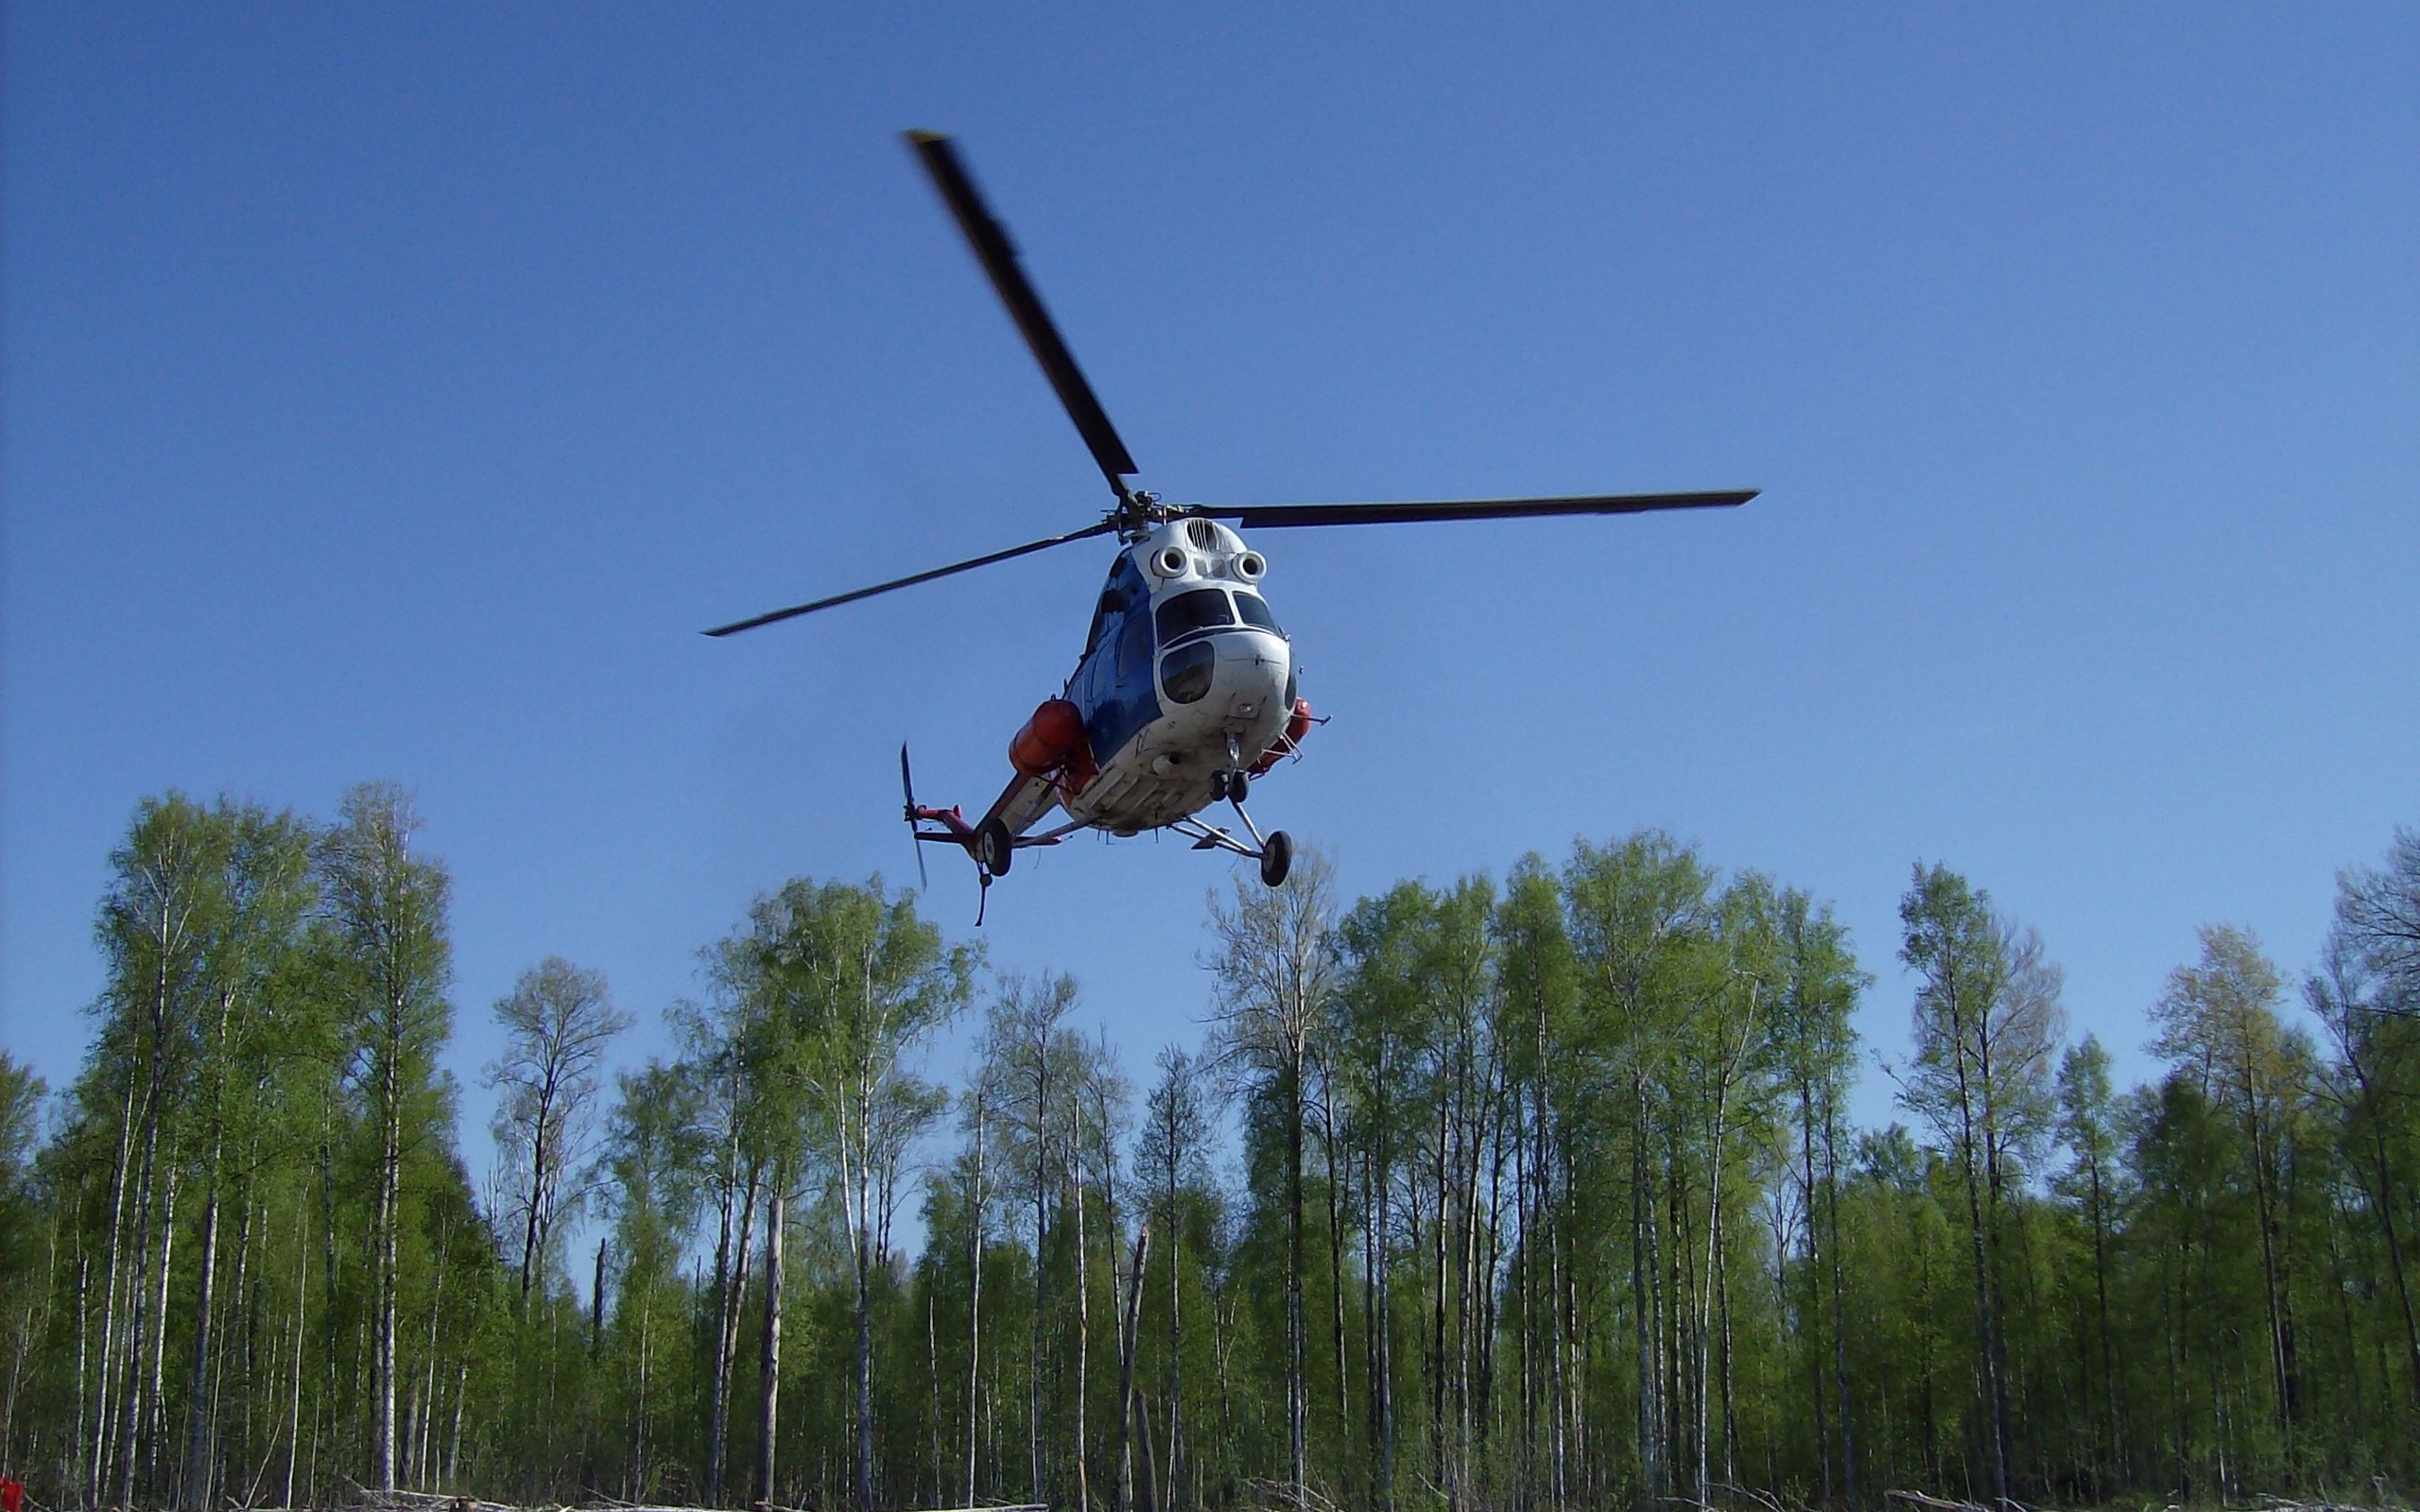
{"points": [[423, 1456], [1438, 1450], [596, 1301], [1083, 1305], [156, 1397], [130, 1434], [390, 1162], [1174, 1497], [1335, 1251], [861, 1258], [1525, 1466], [1730, 1415], [107, 1407], [244, 1304], [1814, 1340], [1705, 1321], [1382, 1389], [328, 1290], [1041, 1291], [198, 1468], [769, 1357], [1559, 1313], [1386, 1384], [933, 1389], [1641, 1261], [1370, 1319], [531, 1239], [294, 1402], [1150, 1481], [1503, 1107], [1840, 1303], [82, 1440], [1297, 1459], [1125, 1368], [1984, 1322], [2280, 1328], [636, 1489], [731, 1279], [975, 1292], [454, 1442]]}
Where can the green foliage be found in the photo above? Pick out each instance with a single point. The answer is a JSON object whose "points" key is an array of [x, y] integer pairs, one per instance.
{"points": [[1535, 1194]]}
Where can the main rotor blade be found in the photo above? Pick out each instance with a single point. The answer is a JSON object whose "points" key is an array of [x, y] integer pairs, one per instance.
{"points": [[998, 256], [1281, 516], [912, 579]]}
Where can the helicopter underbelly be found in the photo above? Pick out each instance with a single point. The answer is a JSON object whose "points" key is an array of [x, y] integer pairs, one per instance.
{"points": [[1163, 772]]}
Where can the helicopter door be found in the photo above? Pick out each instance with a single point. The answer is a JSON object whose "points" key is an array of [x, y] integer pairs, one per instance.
{"points": [[1114, 685], [1119, 697]]}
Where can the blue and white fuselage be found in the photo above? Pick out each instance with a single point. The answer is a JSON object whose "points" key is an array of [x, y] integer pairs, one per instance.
{"points": [[1186, 679]]}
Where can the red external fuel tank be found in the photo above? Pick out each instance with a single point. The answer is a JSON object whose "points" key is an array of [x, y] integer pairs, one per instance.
{"points": [[1051, 740], [1298, 724]]}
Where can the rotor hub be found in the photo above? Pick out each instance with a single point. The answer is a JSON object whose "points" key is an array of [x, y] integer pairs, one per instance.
{"points": [[1139, 512]]}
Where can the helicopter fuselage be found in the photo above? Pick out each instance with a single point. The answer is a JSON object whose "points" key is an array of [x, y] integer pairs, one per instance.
{"points": [[1186, 674], [1186, 685]]}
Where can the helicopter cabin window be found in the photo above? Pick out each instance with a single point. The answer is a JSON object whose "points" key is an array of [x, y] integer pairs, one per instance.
{"points": [[1254, 609], [1134, 653], [1204, 608], [1125, 592]]}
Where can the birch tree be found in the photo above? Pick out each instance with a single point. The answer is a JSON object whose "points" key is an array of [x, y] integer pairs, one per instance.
{"points": [[167, 901], [867, 981], [559, 1021], [388, 908], [1988, 1021], [1274, 963], [1171, 1160]]}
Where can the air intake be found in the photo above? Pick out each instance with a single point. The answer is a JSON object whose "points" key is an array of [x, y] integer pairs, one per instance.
{"points": [[1203, 535]]}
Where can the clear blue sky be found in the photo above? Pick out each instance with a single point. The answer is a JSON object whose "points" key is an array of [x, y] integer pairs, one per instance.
{"points": [[395, 391]]}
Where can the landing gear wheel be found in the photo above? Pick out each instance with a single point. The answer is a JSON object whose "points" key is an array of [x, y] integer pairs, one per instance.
{"points": [[994, 848], [1239, 783], [1276, 858]]}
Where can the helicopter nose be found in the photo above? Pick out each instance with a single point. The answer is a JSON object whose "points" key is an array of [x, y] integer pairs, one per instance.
{"points": [[1251, 673]]}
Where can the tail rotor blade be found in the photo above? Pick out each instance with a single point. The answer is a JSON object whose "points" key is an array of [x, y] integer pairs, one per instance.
{"points": [[907, 790]]}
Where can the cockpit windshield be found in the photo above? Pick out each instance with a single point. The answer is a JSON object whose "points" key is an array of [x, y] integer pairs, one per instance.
{"points": [[1204, 608], [1254, 609]]}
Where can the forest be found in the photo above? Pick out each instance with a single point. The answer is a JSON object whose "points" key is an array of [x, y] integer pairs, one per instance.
{"points": [[1521, 1192]]}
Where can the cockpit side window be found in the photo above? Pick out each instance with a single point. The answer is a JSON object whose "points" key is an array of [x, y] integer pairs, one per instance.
{"points": [[1201, 609], [1125, 593], [1254, 609], [1134, 652]]}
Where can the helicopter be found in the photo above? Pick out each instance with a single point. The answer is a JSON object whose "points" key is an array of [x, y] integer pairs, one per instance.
{"points": [[1187, 689]]}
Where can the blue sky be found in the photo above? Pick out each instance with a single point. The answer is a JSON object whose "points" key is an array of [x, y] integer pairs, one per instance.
{"points": [[394, 392]]}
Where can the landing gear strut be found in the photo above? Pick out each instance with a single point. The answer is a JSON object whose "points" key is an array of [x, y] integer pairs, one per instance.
{"points": [[1273, 851]]}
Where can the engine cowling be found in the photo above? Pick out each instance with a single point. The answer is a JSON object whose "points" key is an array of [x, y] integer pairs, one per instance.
{"points": [[1053, 741], [1298, 724]]}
